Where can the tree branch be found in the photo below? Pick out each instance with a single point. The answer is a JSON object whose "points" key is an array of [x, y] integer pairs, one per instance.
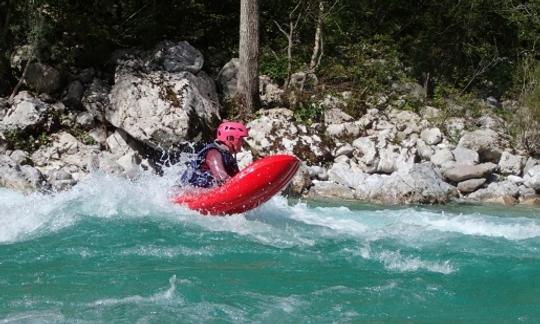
{"points": [[21, 80]]}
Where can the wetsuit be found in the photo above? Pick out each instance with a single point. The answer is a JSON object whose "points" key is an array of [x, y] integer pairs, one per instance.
{"points": [[213, 166]]}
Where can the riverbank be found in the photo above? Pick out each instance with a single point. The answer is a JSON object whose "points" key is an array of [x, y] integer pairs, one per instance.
{"points": [[154, 104]]}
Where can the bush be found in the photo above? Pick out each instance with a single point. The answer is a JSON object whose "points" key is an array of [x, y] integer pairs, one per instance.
{"points": [[371, 66], [273, 65], [528, 116], [19, 140]]}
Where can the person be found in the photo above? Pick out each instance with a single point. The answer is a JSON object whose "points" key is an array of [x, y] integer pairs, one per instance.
{"points": [[216, 162]]}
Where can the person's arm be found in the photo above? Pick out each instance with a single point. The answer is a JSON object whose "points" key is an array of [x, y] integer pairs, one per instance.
{"points": [[214, 161]]}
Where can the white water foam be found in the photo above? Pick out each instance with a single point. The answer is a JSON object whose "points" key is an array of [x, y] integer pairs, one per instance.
{"points": [[274, 224], [479, 225], [395, 261], [169, 252], [47, 316], [168, 296], [102, 196], [414, 224]]}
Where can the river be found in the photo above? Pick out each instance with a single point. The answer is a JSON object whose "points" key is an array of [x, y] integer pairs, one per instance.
{"points": [[113, 250]]}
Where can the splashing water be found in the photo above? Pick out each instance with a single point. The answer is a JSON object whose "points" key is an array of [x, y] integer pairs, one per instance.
{"points": [[113, 250]]}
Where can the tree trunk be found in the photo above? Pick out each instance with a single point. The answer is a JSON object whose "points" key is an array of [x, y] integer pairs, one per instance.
{"points": [[248, 78], [317, 48]]}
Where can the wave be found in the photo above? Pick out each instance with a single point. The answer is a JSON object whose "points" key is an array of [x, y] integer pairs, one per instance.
{"points": [[100, 196], [395, 261], [47, 316], [277, 223], [169, 296]]}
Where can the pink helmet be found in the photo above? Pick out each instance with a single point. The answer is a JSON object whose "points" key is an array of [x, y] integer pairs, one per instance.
{"points": [[232, 134]]}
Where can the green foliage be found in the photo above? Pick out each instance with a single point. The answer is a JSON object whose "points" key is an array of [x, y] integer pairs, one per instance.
{"points": [[233, 110], [370, 66], [308, 113], [86, 32], [532, 98], [273, 65], [526, 121], [355, 106], [19, 140], [83, 136], [474, 46], [455, 104], [413, 104]]}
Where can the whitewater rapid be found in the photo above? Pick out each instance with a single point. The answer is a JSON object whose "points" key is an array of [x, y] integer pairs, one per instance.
{"points": [[116, 250], [279, 223]]}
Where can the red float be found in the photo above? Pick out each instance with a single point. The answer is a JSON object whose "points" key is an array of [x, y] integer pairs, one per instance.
{"points": [[251, 187]]}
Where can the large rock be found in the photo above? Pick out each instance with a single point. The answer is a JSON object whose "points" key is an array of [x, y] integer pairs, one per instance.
{"points": [[526, 192], [487, 143], [395, 158], [425, 152], [511, 164], [74, 94], [67, 153], [227, 78], [420, 184], [300, 183], [504, 192], [410, 88], [443, 158], [379, 152], [462, 172], [177, 57], [430, 113], [369, 118], [121, 158], [344, 131], [96, 99], [333, 102], [318, 173], [161, 109], [346, 175], [270, 94], [43, 78], [455, 127], [336, 116], [344, 149], [61, 180], [20, 157], [27, 112], [327, 189], [406, 121], [531, 163], [466, 156], [490, 122], [276, 132], [303, 81], [470, 185], [3, 143], [366, 153], [21, 178], [532, 178], [432, 136]]}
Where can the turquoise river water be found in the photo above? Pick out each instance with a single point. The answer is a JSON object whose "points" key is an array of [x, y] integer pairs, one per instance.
{"points": [[115, 251]]}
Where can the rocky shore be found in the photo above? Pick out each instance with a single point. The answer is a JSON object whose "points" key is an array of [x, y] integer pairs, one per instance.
{"points": [[65, 125]]}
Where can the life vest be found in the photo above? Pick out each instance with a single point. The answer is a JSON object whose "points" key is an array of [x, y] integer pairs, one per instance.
{"points": [[197, 173]]}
